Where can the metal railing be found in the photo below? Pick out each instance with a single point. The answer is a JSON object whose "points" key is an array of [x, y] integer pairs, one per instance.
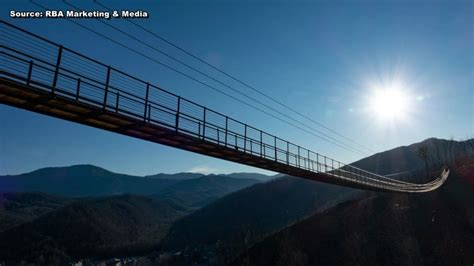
{"points": [[43, 64]]}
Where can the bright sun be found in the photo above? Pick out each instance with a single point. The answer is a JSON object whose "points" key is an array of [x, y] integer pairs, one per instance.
{"points": [[389, 103]]}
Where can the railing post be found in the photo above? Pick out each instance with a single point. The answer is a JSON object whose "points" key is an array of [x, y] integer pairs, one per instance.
{"points": [[261, 144], [275, 146], [245, 137], [299, 158], [204, 124], [78, 89], [287, 153], [309, 168], [117, 102], [176, 126], [146, 100], [106, 87], [226, 127], [56, 71], [318, 165], [30, 70], [325, 165]]}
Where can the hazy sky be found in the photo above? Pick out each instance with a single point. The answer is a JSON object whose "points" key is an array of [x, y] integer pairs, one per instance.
{"points": [[326, 59]]}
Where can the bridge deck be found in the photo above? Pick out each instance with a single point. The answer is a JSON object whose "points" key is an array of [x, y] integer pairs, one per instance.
{"points": [[19, 95]]}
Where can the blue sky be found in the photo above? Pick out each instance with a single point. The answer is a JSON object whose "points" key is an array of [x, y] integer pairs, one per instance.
{"points": [[325, 59]]}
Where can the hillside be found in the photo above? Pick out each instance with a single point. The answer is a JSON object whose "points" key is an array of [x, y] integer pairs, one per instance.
{"points": [[19, 208], [104, 227], [405, 158], [435, 228], [234, 222], [56, 230], [195, 193]]}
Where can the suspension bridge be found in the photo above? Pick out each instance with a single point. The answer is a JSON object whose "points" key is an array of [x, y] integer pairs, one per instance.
{"points": [[42, 76]]}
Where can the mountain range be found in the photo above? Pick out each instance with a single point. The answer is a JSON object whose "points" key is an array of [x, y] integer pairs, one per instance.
{"points": [[229, 219], [86, 211], [89, 180], [435, 228]]}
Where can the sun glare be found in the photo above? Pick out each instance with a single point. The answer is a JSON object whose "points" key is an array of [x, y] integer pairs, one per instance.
{"points": [[389, 103]]}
